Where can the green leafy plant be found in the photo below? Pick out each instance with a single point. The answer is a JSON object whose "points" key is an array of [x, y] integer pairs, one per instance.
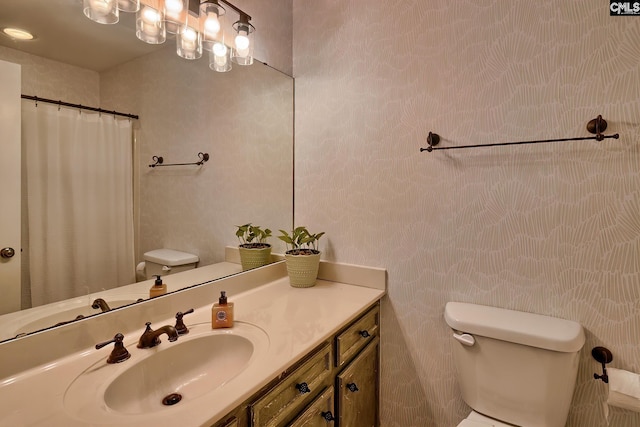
{"points": [[301, 241], [253, 236]]}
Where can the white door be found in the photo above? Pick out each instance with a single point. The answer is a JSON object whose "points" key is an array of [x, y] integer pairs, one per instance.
{"points": [[10, 158]]}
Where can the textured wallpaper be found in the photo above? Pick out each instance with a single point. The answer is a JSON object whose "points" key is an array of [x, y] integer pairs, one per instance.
{"points": [[46, 78], [551, 229]]}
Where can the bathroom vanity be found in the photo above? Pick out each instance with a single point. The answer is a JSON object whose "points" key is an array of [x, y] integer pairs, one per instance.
{"points": [[294, 357], [338, 381]]}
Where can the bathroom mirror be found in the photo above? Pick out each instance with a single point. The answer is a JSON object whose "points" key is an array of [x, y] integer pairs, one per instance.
{"points": [[243, 119]]}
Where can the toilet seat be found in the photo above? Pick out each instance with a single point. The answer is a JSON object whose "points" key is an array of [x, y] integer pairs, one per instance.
{"points": [[471, 423], [475, 419]]}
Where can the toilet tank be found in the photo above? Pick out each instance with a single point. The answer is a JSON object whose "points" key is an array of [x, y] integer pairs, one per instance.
{"points": [[168, 261], [516, 367]]}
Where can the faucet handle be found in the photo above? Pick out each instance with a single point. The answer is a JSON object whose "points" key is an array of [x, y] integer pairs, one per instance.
{"points": [[147, 339], [119, 353], [180, 326]]}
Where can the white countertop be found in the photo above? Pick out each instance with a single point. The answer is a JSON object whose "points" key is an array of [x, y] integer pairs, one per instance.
{"points": [[295, 320]]}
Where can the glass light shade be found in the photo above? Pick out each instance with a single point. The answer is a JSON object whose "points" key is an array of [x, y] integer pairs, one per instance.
{"points": [[189, 43], [175, 15], [211, 23], [130, 6], [150, 25], [220, 57], [101, 11], [242, 52]]}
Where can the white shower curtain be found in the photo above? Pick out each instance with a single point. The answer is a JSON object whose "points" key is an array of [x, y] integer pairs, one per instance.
{"points": [[79, 201]]}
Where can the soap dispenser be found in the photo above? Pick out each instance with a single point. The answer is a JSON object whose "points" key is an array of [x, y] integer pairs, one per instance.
{"points": [[158, 288], [222, 313]]}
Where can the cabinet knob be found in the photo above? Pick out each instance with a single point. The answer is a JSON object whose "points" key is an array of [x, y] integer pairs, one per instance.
{"points": [[365, 334], [303, 388], [328, 416], [353, 387]]}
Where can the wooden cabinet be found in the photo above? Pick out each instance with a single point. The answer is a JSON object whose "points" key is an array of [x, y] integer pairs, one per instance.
{"points": [[357, 389], [337, 384]]}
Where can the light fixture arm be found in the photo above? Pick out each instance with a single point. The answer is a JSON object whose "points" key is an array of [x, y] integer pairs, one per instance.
{"points": [[244, 17]]}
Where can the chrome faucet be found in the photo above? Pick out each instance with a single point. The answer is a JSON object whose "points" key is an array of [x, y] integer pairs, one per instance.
{"points": [[151, 338], [101, 304]]}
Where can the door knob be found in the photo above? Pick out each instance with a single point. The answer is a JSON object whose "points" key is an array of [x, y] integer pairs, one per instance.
{"points": [[7, 252]]}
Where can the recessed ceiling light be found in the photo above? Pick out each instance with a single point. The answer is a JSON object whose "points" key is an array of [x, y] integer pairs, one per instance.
{"points": [[18, 34]]}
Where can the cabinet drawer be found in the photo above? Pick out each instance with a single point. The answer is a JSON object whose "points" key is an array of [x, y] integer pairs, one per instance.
{"points": [[355, 337], [319, 413], [230, 423], [286, 399]]}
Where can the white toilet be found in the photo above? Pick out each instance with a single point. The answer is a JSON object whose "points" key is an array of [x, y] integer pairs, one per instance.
{"points": [[165, 261], [514, 368]]}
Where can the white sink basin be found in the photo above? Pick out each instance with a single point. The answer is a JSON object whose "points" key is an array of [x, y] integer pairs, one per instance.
{"points": [[181, 372], [197, 364]]}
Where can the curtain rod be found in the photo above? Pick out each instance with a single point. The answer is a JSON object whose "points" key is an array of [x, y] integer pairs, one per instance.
{"points": [[83, 107]]}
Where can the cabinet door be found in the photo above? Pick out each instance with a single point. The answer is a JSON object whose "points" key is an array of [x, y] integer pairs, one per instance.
{"points": [[357, 389], [319, 413]]}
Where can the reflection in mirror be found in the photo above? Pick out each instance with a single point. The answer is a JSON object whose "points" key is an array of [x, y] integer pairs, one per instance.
{"points": [[244, 121]]}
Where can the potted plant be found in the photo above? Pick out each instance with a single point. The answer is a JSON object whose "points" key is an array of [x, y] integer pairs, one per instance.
{"points": [[254, 250], [303, 259]]}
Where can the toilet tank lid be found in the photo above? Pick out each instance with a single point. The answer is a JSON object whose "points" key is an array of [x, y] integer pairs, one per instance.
{"points": [[170, 257], [530, 329]]}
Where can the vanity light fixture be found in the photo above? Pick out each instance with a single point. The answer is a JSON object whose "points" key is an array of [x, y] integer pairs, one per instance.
{"points": [[197, 25], [150, 24], [175, 15], [131, 6], [242, 53], [101, 11], [211, 15], [189, 41], [220, 57]]}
